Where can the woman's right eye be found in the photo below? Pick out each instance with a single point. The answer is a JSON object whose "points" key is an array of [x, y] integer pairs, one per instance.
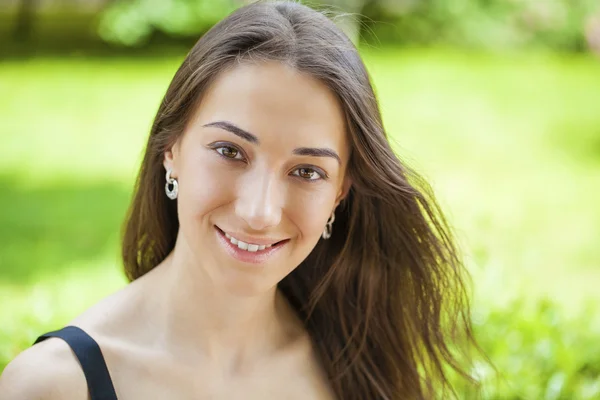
{"points": [[229, 152]]}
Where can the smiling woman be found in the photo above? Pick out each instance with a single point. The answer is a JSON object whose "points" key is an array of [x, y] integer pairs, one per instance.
{"points": [[276, 246]]}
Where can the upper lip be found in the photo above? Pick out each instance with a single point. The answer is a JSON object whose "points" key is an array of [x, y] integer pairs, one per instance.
{"points": [[250, 239]]}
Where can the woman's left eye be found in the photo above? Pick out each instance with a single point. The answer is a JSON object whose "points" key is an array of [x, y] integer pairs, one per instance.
{"points": [[229, 152], [309, 174]]}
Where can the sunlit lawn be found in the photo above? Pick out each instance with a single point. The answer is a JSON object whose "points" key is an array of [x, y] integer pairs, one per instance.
{"points": [[510, 144]]}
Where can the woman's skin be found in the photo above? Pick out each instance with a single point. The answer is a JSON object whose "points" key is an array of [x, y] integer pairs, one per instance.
{"points": [[208, 322]]}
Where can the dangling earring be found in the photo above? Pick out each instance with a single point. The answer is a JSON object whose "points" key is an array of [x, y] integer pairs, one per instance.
{"points": [[171, 193], [329, 227]]}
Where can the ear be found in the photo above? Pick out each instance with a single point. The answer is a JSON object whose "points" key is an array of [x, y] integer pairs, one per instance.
{"points": [[345, 189], [170, 159]]}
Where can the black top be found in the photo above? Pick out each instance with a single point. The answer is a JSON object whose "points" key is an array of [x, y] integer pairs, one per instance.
{"points": [[90, 357]]}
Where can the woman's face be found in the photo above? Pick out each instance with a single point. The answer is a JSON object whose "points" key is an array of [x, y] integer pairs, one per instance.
{"points": [[262, 163]]}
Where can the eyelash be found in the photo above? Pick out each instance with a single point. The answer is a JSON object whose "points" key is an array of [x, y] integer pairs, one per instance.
{"points": [[231, 148], [322, 175]]}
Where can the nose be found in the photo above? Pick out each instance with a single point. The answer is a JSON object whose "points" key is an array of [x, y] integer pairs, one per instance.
{"points": [[259, 201]]}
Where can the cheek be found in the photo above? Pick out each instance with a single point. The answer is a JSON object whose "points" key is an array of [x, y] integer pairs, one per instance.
{"points": [[310, 211], [203, 187]]}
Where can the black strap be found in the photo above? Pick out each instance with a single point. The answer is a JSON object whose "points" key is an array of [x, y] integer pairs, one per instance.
{"points": [[90, 357]]}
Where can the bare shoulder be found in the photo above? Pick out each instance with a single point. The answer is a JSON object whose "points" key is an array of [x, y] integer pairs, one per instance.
{"points": [[46, 371], [50, 370]]}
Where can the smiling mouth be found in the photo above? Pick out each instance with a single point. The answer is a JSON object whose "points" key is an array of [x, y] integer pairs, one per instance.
{"points": [[250, 247]]}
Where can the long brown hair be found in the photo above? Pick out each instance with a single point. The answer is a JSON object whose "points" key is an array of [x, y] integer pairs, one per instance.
{"points": [[384, 299]]}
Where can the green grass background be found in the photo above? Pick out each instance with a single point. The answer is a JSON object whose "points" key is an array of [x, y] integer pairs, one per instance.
{"points": [[510, 143]]}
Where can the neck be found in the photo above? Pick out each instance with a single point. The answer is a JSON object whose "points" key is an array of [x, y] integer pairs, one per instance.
{"points": [[228, 329]]}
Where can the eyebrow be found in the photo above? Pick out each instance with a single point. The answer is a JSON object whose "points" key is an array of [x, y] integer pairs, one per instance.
{"points": [[249, 137], [228, 126], [317, 152]]}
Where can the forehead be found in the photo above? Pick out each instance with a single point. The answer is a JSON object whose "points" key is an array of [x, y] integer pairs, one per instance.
{"points": [[275, 101]]}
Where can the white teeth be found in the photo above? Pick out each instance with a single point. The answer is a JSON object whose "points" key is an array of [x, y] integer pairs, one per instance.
{"points": [[246, 246]]}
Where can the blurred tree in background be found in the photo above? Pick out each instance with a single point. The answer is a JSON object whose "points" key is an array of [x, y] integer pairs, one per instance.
{"points": [[133, 22], [557, 24], [566, 25]]}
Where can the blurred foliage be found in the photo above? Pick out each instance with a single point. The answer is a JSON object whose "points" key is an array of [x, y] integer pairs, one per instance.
{"points": [[133, 22], [564, 25], [538, 353], [557, 24], [570, 25]]}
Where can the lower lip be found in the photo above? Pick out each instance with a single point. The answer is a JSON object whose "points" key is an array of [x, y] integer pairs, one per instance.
{"points": [[258, 257]]}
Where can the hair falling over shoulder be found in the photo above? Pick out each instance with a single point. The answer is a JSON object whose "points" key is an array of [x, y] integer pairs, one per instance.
{"points": [[385, 299]]}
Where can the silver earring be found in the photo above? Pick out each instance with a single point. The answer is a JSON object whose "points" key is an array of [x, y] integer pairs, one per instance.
{"points": [[329, 227], [171, 193]]}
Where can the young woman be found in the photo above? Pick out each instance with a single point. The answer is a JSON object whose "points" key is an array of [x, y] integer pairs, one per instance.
{"points": [[276, 246]]}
